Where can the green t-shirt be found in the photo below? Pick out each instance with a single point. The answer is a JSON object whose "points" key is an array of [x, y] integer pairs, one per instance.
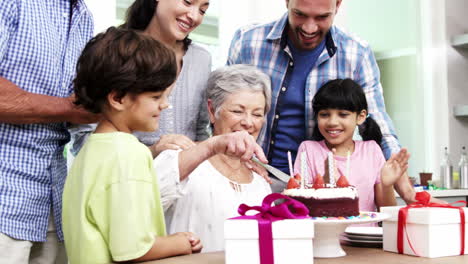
{"points": [[111, 202]]}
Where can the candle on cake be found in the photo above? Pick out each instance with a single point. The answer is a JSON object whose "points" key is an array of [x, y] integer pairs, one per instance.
{"points": [[303, 168], [348, 154], [331, 169], [291, 172]]}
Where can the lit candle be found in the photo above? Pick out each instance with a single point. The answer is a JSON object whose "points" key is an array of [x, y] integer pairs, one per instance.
{"points": [[303, 168], [291, 172], [347, 163], [331, 171]]}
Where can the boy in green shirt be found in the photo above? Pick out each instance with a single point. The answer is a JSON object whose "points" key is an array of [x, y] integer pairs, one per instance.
{"points": [[111, 201]]}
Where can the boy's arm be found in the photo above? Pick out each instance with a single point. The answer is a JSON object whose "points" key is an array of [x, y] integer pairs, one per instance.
{"points": [[168, 246], [21, 107]]}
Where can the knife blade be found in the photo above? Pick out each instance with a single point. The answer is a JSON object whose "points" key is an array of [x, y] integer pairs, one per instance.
{"points": [[279, 174]]}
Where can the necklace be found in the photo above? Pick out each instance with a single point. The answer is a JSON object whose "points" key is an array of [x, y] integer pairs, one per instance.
{"points": [[233, 173]]}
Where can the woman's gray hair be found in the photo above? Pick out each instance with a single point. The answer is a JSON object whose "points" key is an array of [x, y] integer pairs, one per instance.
{"points": [[234, 78]]}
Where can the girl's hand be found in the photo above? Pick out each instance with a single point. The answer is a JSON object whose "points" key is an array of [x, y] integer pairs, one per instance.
{"points": [[395, 167], [171, 141]]}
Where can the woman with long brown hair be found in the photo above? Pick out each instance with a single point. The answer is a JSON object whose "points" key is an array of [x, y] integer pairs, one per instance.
{"points": [[186, 121], [171, 21]]}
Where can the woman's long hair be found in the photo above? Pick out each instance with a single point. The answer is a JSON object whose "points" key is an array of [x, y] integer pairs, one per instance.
{"points": [[345, 94], [139, 15]]}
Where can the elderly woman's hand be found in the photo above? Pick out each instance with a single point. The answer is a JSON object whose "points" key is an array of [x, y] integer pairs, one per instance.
{"points": [[255, 167], [171, 141], [238, 144]]}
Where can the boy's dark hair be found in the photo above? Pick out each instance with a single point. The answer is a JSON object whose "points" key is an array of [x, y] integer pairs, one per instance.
{"points": [[139, 14], [124, 61], [345, 94]]}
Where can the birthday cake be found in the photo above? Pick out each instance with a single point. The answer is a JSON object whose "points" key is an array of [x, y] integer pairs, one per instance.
{"points": [[323, 199]]}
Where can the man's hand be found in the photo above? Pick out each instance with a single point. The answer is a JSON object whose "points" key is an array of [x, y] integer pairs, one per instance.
{"points": [[78, 115], [21, 107]]}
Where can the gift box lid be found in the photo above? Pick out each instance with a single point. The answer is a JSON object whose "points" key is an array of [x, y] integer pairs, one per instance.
{"points": [[426, 215], [282, 229]]}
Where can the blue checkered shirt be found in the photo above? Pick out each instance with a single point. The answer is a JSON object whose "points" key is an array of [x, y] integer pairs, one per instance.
{"points": [[39, 47], [343, 57]]}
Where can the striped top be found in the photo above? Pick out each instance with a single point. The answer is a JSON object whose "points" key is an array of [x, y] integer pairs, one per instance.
{"points": [[344, 56], [39, 47], [189, 113]]}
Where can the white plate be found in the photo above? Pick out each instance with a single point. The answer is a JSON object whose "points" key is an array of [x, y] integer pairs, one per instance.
{"points": [[361, 237], [361, 241], [328, 230], [363, 218], [365, 231]]}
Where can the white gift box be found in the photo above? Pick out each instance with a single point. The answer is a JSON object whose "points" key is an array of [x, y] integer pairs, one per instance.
{"points": [[433, 232], [292, 241]]}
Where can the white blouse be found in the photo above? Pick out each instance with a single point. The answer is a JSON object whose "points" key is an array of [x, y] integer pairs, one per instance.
{"points": [[202, 202]]}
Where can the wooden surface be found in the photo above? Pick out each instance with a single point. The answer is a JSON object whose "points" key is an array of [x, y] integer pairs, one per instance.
{"points": [[355, 255]]}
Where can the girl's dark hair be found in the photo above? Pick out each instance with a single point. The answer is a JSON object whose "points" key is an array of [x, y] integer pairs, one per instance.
{"points": [[345, 94], [139, 14], [124, 61]]}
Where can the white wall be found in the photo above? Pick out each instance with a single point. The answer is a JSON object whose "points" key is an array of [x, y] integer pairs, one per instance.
{"points": [[235, 14], [104, 13], [434, 80]]}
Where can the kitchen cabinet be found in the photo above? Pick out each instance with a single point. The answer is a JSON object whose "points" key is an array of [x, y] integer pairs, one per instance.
{"points": [[460, 111], [460, 41]]}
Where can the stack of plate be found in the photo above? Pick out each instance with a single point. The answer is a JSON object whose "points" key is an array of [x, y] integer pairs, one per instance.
{"points": [[363, 236]]}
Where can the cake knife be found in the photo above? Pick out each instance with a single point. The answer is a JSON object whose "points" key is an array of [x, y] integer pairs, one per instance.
{"points": [[279, 174]]}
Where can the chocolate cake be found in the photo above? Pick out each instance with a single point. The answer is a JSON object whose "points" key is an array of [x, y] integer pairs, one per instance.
{"points": [[332, 202]]}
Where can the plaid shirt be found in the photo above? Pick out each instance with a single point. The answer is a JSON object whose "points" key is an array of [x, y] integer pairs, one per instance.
{"points": [[343, 57], [39, 48]]}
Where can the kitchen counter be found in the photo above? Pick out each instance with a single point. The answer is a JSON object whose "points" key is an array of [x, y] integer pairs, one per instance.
{"points": [[450, 196], [355, 255], [448, 193]]}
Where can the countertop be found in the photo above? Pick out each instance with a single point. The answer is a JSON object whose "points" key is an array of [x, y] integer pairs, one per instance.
{"points": [[446, 193], [355, 255]]}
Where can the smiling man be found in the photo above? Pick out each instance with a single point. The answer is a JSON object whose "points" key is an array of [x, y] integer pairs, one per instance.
{"points": [[300, 52]]}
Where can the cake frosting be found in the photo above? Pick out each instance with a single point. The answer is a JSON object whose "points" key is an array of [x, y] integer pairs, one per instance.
{"points": [[328, 201], [323, 193]]}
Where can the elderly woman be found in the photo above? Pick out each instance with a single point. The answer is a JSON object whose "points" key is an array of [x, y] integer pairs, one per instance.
{"points": [[239, 97]]}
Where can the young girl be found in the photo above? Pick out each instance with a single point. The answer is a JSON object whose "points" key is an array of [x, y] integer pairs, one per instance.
{"points": [[339, 106]]}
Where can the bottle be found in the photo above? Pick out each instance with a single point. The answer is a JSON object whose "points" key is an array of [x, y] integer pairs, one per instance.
{"points": [[446, 171], [463, 169]]}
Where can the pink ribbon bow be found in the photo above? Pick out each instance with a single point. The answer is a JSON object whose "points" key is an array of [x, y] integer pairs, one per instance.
{"points": [[423, 200], [290, 209]]}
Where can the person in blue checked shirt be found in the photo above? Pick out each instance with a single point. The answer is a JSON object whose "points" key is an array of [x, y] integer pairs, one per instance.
{"points": [[40, 42], [300, 52]]}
